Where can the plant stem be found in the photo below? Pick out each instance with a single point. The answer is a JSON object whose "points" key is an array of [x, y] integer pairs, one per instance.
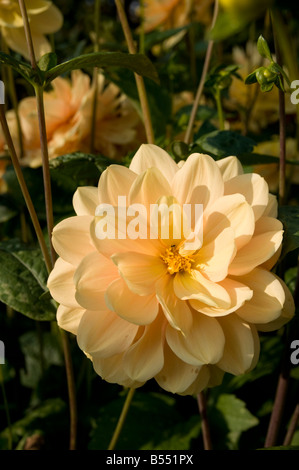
{"points": [[45, 166], [282, 124], [139, 79], [28, 34], [71, 390], [292, 427], [97, 13], [200, 88], [202, 405], [24, 189], [121, 419]]}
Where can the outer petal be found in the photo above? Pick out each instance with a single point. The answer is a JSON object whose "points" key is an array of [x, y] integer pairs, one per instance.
{"points": [[241, 345], [71, 239], [202, 344], [68, 318], [263, 245], [91, 278], [61, 284], [268, 297], [48, 21], [137, 309], [15, 39], [176, 376], [230, 167], [85, 200], [198, 181], [104, 333], [149, 156], [145, 358], [254, 188], [115, 181], [140, 271], [111, 369]]}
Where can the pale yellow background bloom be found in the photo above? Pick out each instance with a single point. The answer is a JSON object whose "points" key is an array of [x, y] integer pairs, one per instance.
{"points": [[154, 308], [44, 18], [68, 114]]}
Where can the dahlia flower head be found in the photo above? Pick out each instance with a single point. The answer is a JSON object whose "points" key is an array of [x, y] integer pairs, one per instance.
{"points": [[160, 307]]}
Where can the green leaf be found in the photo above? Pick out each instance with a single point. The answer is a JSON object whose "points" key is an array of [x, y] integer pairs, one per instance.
{"points": [[138, 63], [21, 67], [251, 78], [289, 216], [238, 419], [263, 48], [77, 169], [155, 37], [6, 213], [23, 278], [47, 62], [222, 144]]}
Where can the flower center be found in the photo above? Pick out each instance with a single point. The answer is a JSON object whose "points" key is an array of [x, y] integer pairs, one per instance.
{"points": [[175, 261]]}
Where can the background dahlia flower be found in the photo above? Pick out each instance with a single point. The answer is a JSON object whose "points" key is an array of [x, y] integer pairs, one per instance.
{"points": [[68, 115], [44, 18], [155, 308]]}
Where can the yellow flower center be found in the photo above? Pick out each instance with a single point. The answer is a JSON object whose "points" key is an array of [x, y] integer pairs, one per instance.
{"points": [[175, 261]]}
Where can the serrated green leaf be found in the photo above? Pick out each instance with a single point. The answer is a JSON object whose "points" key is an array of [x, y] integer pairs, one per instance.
{"points": [[138, 63], [23, 278]]}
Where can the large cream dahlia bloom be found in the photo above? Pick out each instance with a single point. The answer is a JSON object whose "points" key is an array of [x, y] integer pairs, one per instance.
{"points": [[44, 18], [155, 308]]}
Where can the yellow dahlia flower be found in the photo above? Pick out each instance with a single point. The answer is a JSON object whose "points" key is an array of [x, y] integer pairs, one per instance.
{"points": [[44, 18], [146, 307]]}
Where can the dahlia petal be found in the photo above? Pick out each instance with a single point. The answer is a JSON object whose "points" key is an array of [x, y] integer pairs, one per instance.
{"points": [[148, 188], [176, 376], [47, 21], [145, 358], [233, 211], [200, 383], [238, 293], [68, 318], [91, 278], [115, 181], [149, 156], [175, 310], [193, 182], [268, 297], [202, 344], [229, 167], [71, 239], [140, 271], [241, 345], [254, 188], [104, 333], [196, 286], [61, 285], [85, 200], [133, 308], [15, 39], [111, 370], [262, 246], [215, 256]]}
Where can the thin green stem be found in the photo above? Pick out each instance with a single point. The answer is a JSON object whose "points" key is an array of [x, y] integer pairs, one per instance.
{"points": [[28, 34], [200, 88], [202, 405], [139, 79], [24, 189], [122, 419], [71, 390], [97, 13], [10, 437]]}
